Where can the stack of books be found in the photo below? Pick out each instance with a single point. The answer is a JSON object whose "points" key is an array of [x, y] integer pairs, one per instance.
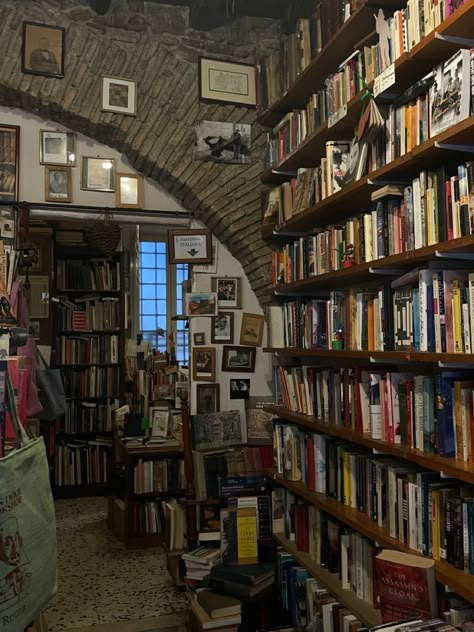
{"points": [[200, 562], [213, 611], [243, 580]]}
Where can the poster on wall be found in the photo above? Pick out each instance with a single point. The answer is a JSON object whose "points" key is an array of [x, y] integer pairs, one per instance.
{"points": [[227, 143]]}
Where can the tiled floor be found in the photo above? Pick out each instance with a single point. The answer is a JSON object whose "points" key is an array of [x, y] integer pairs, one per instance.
{"points": [[101, 582]]}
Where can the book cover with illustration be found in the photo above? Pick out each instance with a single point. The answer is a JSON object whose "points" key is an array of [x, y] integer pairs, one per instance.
{"points": [[239, 536]]}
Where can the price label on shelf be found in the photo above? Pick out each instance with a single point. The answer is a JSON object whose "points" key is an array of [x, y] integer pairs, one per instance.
{"points": [[384, 80], [337, 116]]}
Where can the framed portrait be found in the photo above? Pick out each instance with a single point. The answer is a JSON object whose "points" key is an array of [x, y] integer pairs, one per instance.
{"points": [[9, 162], [199, 338], [227, 82], [57, 148], [238, 359], [128, 192], [98, 174], [158, 417], [228, 291], [207, 398], [190, 246], [119, 96], [222, 328], [57, 184], [200, 304], [239, 389], [43, 50], [204, 364], [251, 330]]}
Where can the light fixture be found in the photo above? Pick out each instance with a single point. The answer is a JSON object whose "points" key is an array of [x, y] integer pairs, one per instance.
{"points": [[107, 164]]}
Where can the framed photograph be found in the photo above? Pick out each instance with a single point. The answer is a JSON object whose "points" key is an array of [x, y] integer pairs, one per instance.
{"points": [[238, 359], [158, 417], [199, 338], [200, 304], [213, 431], [227, 82], [239, 389], [222, 328], [204, 364], [128, 193], [228, 291], [9, 162], [190, 246], [228, 143], [57, 148], [207, 398], [119, 96], [57, 184], [43, 50], [98, 174], [251, 330]]}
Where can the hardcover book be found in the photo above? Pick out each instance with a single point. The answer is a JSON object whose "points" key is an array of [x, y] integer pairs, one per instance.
{"points": [[239, 536]]}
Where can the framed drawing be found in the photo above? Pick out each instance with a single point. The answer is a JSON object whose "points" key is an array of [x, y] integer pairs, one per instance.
{"points": [[228, 291], [57, 148], [204, 364], [9, 162], [214, 431], [119, 96], [159, 419], [128, 193], [227, 82], [43, 50], [238, 359], [57, 184], [190, 246], [251, 330], [199, 338], [207, 398], [98, 174], [222, 328], [200, 304]]}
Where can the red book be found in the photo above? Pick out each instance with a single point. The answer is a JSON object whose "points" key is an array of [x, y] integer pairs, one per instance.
{"points": [[406, 586], [310, 461]]}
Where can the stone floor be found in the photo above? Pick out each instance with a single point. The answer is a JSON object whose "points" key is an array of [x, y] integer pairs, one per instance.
{"points": [[100, 582]]}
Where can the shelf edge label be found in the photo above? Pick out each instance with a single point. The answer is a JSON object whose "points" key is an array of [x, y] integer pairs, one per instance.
{"points": [[383, 81]]}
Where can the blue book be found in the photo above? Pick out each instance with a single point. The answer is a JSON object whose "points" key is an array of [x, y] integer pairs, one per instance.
{"points": [[444, 405]]}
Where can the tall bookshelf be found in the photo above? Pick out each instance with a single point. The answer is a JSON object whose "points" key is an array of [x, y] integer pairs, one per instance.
{"points": [[452, 146], [88, 347]]}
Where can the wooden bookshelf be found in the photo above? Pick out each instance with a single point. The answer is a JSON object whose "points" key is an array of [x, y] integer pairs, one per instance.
{"points": [[457, 580], [361, 609], [382, 357]]}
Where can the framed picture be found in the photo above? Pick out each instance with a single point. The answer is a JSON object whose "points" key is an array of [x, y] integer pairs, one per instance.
{"points": [[43, 50], [200, 304], [199, 338], [9, 162], [227, 143], [158, 417], [209, 268], [204, 364], [228, 291], [238, 359], [190, 246], [227, 82], [207, 398], [251, 330], [57, 148], [119, 96], [128, 193], [98, 174], [222, 328], [239, 389], [214, 431], [57, 184]]}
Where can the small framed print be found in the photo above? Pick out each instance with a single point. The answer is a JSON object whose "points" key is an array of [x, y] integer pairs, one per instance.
{"points": [[228, 291], [207, 398], [204, 364], [128, 193], [43, 50], [238, 359], [199, 339], [239, 389], [251, 330], [222, 328], [98, 174], [227, 82], [190, 246], [57, 148], [9, 162], [200, 304], [159, 419], [119, 96], [57, 184]]}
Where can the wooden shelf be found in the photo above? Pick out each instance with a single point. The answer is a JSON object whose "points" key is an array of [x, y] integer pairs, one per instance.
{"points": [[148, 495], [457, 580], [361, 609], [362, 272], [382, 357], [150, 451], [452, 467], [147, 541], [94, 332], [87, 364], [63, 291]]}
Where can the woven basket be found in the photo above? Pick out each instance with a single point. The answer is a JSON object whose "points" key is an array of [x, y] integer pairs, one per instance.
{"points": [[105, 234]]}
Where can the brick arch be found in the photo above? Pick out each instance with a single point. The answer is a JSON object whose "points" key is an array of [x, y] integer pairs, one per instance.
{"points": [[158, 142]]}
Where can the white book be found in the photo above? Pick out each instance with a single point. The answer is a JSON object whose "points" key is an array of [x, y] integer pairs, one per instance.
{"points": [[418, 227], [345, 546], [412, 517], [425, 278]]}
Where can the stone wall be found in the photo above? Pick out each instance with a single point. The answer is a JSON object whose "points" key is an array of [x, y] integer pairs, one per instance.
{"points": [[153, 44]]}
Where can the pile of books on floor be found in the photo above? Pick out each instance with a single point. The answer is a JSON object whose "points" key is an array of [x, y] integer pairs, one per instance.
{"points": [[214, 611], [199, 564], [241, 580]]}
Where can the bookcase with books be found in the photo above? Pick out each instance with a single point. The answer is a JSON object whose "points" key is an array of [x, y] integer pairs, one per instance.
{"points": [[373, 274], [88, 346]]}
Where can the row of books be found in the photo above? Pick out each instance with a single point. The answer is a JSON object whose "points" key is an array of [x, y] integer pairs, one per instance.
{"points": [[89, 314], [82, 462], [83, 416], [160, 475], [149, 518], [88, 350], [78, 274], [95, 381], [175, 517]]}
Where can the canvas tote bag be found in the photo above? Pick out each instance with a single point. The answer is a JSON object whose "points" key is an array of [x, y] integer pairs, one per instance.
{"points": [[27, 530]]}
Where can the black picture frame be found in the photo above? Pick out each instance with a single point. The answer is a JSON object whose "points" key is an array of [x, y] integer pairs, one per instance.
{"points": [[230, 359], [27, 50], [227, 66]]}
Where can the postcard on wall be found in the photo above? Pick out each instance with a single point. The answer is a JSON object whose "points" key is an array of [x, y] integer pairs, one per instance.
{"points": [[212, 431], [223, 142]]}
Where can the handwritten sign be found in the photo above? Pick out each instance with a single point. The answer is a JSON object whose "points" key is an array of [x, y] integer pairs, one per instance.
{"points": [[384, 80]]}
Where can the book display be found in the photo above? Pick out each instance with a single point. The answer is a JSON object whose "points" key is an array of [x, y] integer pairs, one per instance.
{"points": [[370, 213]]}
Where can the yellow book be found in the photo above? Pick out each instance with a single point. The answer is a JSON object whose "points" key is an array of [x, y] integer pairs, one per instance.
{"points": [[457, 322], [435, 523], [247, 535], [347, 478]]}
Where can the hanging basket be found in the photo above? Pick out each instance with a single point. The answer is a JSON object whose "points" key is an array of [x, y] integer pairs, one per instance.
{"points": [[105, 234]]}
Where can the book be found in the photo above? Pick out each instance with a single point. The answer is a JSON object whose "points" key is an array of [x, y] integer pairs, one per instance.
{"points": [[218, 606], [208, 623], [203, 555], [242, 591], [239, 536], [248, 574]]}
